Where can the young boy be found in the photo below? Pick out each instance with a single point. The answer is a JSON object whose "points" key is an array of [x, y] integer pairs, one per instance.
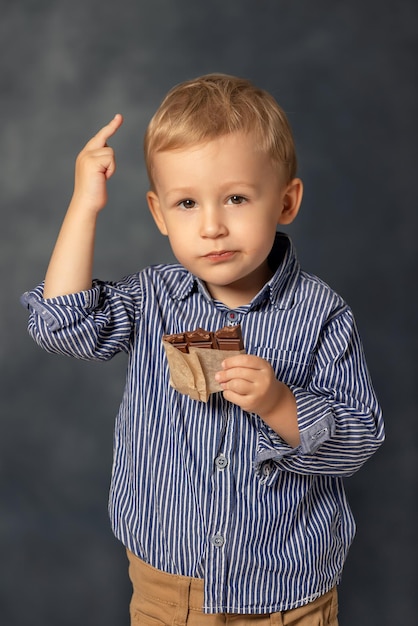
{"points": [[231, 510]]}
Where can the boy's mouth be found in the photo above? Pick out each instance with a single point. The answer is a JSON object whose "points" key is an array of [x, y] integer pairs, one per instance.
{"points": [[220, 255]]}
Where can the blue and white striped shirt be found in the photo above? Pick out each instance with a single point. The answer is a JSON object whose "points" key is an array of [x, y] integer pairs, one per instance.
{"points": [[208, 490]]}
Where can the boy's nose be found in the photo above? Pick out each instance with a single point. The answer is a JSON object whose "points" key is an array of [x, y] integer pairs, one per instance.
{"points": [[212, 224]]}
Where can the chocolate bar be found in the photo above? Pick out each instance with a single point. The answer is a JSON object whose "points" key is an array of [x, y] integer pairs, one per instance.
{"points": [[229, 338], [194, 372], [199, 338], [178, 340], [226, 338]]}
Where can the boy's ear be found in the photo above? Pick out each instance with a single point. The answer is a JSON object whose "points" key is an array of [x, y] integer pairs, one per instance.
{"points": [[154, 207], [291, 200]]}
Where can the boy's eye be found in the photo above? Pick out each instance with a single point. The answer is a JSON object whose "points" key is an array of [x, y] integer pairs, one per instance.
{"points": [[236, 200], [187, 204]]}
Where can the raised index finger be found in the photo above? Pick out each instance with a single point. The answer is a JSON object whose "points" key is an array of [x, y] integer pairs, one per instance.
{"points": [[100, 139]]}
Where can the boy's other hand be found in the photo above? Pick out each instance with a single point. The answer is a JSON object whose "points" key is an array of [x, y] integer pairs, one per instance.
{"points": [[250, 382], [94, 166]]}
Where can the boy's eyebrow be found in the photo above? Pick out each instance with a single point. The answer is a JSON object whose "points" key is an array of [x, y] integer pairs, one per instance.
{"points": [[230, 184], [240, 183]]}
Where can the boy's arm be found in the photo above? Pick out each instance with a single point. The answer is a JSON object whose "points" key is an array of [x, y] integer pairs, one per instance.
{"points": [[71, 264], [337, 414], [68, 315]]}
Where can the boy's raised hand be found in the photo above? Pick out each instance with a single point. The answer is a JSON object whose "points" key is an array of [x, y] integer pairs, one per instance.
{"points": [[94, 166], [71, 265]]}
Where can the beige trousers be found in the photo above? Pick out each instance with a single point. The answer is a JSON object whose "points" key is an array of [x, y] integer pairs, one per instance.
{"points": [[161, 599]]}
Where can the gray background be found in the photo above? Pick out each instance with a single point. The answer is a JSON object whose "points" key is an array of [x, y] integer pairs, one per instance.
{"points": [[346, 74]]}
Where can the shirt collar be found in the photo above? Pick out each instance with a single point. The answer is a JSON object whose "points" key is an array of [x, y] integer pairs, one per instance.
{"points": [[184, 283], [284, 263], [279, 290]]}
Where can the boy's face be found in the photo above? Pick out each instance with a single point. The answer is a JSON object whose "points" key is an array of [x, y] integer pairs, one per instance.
{"points": [[219, 204]]}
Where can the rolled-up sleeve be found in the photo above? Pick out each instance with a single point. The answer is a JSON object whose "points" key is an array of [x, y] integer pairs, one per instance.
{"points": [[93, 325], [340, 420]]}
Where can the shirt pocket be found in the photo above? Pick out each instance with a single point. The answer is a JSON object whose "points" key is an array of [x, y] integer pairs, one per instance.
{"points": [[292, 368]]}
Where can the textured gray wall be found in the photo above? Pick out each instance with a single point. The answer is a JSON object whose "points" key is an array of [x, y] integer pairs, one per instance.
{"points": [[346, 74]]}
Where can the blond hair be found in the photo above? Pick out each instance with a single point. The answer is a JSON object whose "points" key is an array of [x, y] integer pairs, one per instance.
{"points": [[213, 105]]}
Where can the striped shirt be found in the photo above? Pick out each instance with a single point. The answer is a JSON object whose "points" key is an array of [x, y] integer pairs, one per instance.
{"points": [[206, 489]]}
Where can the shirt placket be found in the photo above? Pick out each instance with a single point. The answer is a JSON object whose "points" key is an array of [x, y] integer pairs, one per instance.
{"points": [[222, 506]]}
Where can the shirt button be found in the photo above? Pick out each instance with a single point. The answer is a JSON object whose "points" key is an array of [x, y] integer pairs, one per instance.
{"points": [[221, 462], [232, 317], [218, 540], [266, 469]]}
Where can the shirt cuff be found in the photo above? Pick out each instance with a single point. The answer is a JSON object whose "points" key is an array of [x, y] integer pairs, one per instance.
{"points": [[58, 312], [315, 419], [316, 426]]}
